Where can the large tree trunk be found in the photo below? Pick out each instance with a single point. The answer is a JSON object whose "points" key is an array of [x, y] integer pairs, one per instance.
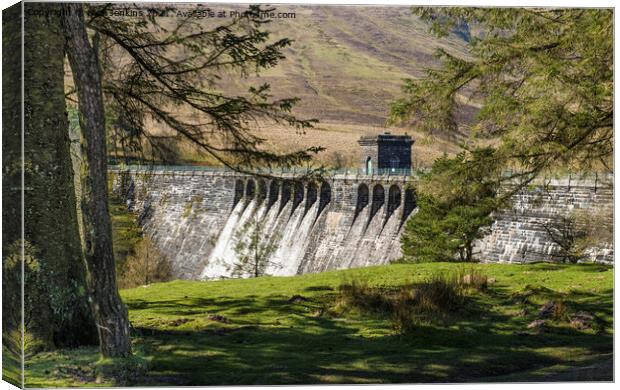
{"points": [[56, 304], [108, 309]]}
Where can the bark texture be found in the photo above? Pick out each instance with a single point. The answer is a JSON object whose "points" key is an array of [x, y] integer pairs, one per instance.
{"points": [[56, 303], [108, 309]]}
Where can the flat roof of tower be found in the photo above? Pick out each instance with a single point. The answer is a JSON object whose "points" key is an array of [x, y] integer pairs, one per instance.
{"points": [[372, 139]]}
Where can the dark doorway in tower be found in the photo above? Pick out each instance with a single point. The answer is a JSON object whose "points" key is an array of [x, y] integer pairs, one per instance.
{"points": [[394, 164]]}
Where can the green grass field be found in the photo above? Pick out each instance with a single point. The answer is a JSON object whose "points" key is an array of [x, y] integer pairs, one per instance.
{"points": [[279, 330]]}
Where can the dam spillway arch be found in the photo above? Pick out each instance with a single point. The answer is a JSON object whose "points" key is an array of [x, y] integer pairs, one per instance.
{"points": [[394, 199], [311, 196], [285, 193], [325, 196], [378, 199], [239, 191], [298, 195], [250, 189], [273, 193], [361, 201], [262, 191], [409, 204]]}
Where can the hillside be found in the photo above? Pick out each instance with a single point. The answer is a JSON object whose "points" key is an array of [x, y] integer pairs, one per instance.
{"points": [[346, 64], [320, 328]]}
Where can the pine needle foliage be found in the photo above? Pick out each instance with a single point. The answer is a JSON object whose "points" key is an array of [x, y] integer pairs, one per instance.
{"points": [[169, 70], [543, 78], [455, 201]]}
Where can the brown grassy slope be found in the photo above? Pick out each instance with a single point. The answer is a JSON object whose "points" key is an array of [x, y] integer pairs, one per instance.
{"points": [[346, 64]]}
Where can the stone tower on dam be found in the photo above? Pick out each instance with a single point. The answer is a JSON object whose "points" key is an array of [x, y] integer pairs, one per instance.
{"points": [[386, 153], [345, 220]]}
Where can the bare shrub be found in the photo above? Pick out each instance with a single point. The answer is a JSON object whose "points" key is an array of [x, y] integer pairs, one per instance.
{"points": [[575, 233], [360, 296], [439, 293], [426, 302], [555, 310], [560, 312], [473, 278], [146, 265], [403, 317], [413, 304]]}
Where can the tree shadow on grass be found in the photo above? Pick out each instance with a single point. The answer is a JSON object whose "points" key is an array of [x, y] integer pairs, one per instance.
{"points": [[310, 348], [337, 355], [585, 267]]}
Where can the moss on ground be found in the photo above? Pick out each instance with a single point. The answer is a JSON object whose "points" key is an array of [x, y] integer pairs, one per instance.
{"points": [[276, 330]]}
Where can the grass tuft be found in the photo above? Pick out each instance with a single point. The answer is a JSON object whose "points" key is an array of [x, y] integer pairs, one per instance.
{"points": [[412, 304]]}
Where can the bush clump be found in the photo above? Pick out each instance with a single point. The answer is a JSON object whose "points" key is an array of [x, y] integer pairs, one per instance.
{"points": [[412, 304]]}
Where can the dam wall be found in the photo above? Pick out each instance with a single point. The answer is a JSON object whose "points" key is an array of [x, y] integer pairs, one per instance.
{"points": [[518, 235], [195, 217]]}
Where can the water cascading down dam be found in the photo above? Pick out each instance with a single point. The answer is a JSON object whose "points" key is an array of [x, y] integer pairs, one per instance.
{"points": [[339, 222]]}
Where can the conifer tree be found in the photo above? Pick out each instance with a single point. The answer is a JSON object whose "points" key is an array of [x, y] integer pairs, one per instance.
{"points": [[253, 248], [543, 78], [455, 200]]}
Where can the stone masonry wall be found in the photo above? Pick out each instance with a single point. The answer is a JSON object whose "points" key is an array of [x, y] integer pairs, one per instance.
{"points": [[181, 211], [185, 211], [518, 235]]}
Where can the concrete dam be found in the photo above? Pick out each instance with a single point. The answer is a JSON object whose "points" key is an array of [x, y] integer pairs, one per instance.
{"points": [[343, 221]]}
